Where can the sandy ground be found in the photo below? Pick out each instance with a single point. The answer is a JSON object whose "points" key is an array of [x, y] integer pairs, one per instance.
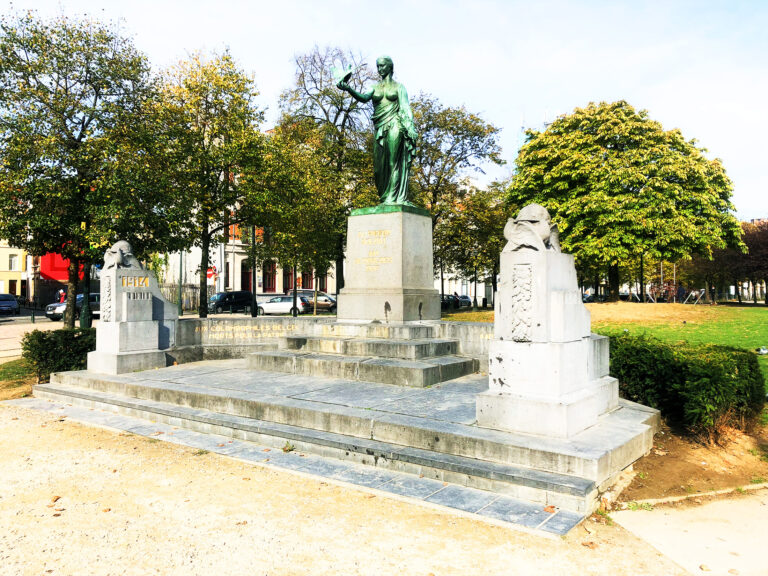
{"points": [[81, 500]]}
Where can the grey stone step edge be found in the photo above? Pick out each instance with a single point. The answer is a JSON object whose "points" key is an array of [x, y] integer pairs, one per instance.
{"points": [[400, 429], [398, 372], [572, 493], [376, 347]]}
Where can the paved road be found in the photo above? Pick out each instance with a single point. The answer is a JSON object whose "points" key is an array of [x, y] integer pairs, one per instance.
{"points": [[13, 328]]}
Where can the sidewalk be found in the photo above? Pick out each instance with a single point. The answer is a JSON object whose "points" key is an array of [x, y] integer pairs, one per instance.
{"points": [[718, 537]]}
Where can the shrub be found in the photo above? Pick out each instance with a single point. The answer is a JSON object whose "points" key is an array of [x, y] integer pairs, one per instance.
{"points": [[702, 388], [58, 350]]}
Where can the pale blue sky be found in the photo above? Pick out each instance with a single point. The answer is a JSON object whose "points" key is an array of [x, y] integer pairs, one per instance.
{"points": [[700, 66]]}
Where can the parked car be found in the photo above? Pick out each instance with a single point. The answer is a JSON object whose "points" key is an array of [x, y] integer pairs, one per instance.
{"points": [[237, 301], [325, 302], [464, 301], [449, 302], [55, 311], [284, 305], [9, 304]]}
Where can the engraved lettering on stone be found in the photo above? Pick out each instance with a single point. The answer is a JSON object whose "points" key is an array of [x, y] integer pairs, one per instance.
{"points": [[374, 237], [521, 300], [135, 281]]}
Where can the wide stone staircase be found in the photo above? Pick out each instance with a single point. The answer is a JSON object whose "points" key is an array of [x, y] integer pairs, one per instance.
{"points": [[402, 355]]}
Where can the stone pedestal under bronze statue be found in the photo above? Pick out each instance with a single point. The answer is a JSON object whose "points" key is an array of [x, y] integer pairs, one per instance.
{"points": [[388, 266]]}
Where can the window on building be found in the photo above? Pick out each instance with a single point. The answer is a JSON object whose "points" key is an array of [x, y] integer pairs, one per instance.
{"points": [[306, 280], [322, 283], [269, 276], [13, 262], [245, 276], [287, 279]]}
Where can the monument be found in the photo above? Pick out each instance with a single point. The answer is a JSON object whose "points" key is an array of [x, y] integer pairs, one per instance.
{"points": [[548, 375], [137, 322], [388, 272]]}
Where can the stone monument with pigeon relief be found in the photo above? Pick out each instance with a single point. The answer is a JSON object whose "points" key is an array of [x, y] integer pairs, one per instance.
{"points": [[137, 323], [548, 374]]}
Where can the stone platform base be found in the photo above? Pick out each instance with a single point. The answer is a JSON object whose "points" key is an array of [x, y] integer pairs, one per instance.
{"points": [[107, 363], [561, 418], [388, 306], [429, 433]]}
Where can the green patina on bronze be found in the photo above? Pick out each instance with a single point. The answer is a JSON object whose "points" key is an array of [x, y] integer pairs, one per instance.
{"points": [[388, 208], [395, 135]]}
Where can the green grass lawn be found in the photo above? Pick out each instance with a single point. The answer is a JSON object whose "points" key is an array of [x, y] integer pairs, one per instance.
{"points": [[742, 326], [16, 379]]}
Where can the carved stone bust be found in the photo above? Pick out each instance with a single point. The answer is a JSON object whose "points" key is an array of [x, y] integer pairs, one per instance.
{"points": [[121, 256], [531, 230]]}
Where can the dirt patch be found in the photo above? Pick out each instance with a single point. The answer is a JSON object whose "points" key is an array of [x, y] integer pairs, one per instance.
{"points": [[622, 312], [77, 500], [679, 466]]}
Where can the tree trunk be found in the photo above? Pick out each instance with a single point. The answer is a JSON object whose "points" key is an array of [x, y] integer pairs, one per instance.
{"points": [[72, 280], [494, 284], [340, 265], [86, 316], [596, 285], [295, 296], [642, 278], [442, 280], [754, 291], [205, 248], [613, 283], [738, 290], [765, 292]]}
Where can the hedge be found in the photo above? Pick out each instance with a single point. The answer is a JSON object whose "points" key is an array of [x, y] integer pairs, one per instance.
{"points": [[702, 388], [58, 350]]}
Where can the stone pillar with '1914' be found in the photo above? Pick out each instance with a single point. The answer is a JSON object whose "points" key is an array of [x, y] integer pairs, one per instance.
{"points": [[548, 375], [137, 323]]}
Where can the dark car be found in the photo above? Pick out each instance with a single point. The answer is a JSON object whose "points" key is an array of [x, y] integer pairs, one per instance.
{"points": [[464, 301], [56, 310], [449, 302], [237, 301], [9, 304]]}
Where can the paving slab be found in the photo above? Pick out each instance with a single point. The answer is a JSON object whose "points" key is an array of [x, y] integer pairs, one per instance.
{"points": [[724, 536]]}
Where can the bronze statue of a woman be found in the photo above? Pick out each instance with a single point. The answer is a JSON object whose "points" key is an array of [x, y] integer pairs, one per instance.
{"points": [[394, 133]]}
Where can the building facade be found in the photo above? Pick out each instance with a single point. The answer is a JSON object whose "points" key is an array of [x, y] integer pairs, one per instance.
{"points": [[13, 271]]}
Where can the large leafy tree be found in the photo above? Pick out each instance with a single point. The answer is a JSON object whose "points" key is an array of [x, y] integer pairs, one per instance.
{"points": [[620, 187], [756, 259], [338, 127], [211, 139], [292, 199], [453, 143], [472, 233], [71, 93]]}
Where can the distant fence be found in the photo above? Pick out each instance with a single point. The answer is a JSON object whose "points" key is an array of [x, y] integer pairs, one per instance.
{"points": [[190, 295]]}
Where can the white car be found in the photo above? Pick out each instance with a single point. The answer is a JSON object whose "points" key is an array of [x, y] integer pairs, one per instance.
{"points": [[284, 305]]}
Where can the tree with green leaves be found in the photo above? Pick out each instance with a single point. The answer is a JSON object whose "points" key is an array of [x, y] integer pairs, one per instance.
{"points": [[71, 93], [293, 202], [452, 144], [620, 187], [211, 140], [472, 234], [338, 126]]}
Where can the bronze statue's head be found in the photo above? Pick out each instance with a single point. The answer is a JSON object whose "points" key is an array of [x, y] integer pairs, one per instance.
{"points": [[385, 66]]}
